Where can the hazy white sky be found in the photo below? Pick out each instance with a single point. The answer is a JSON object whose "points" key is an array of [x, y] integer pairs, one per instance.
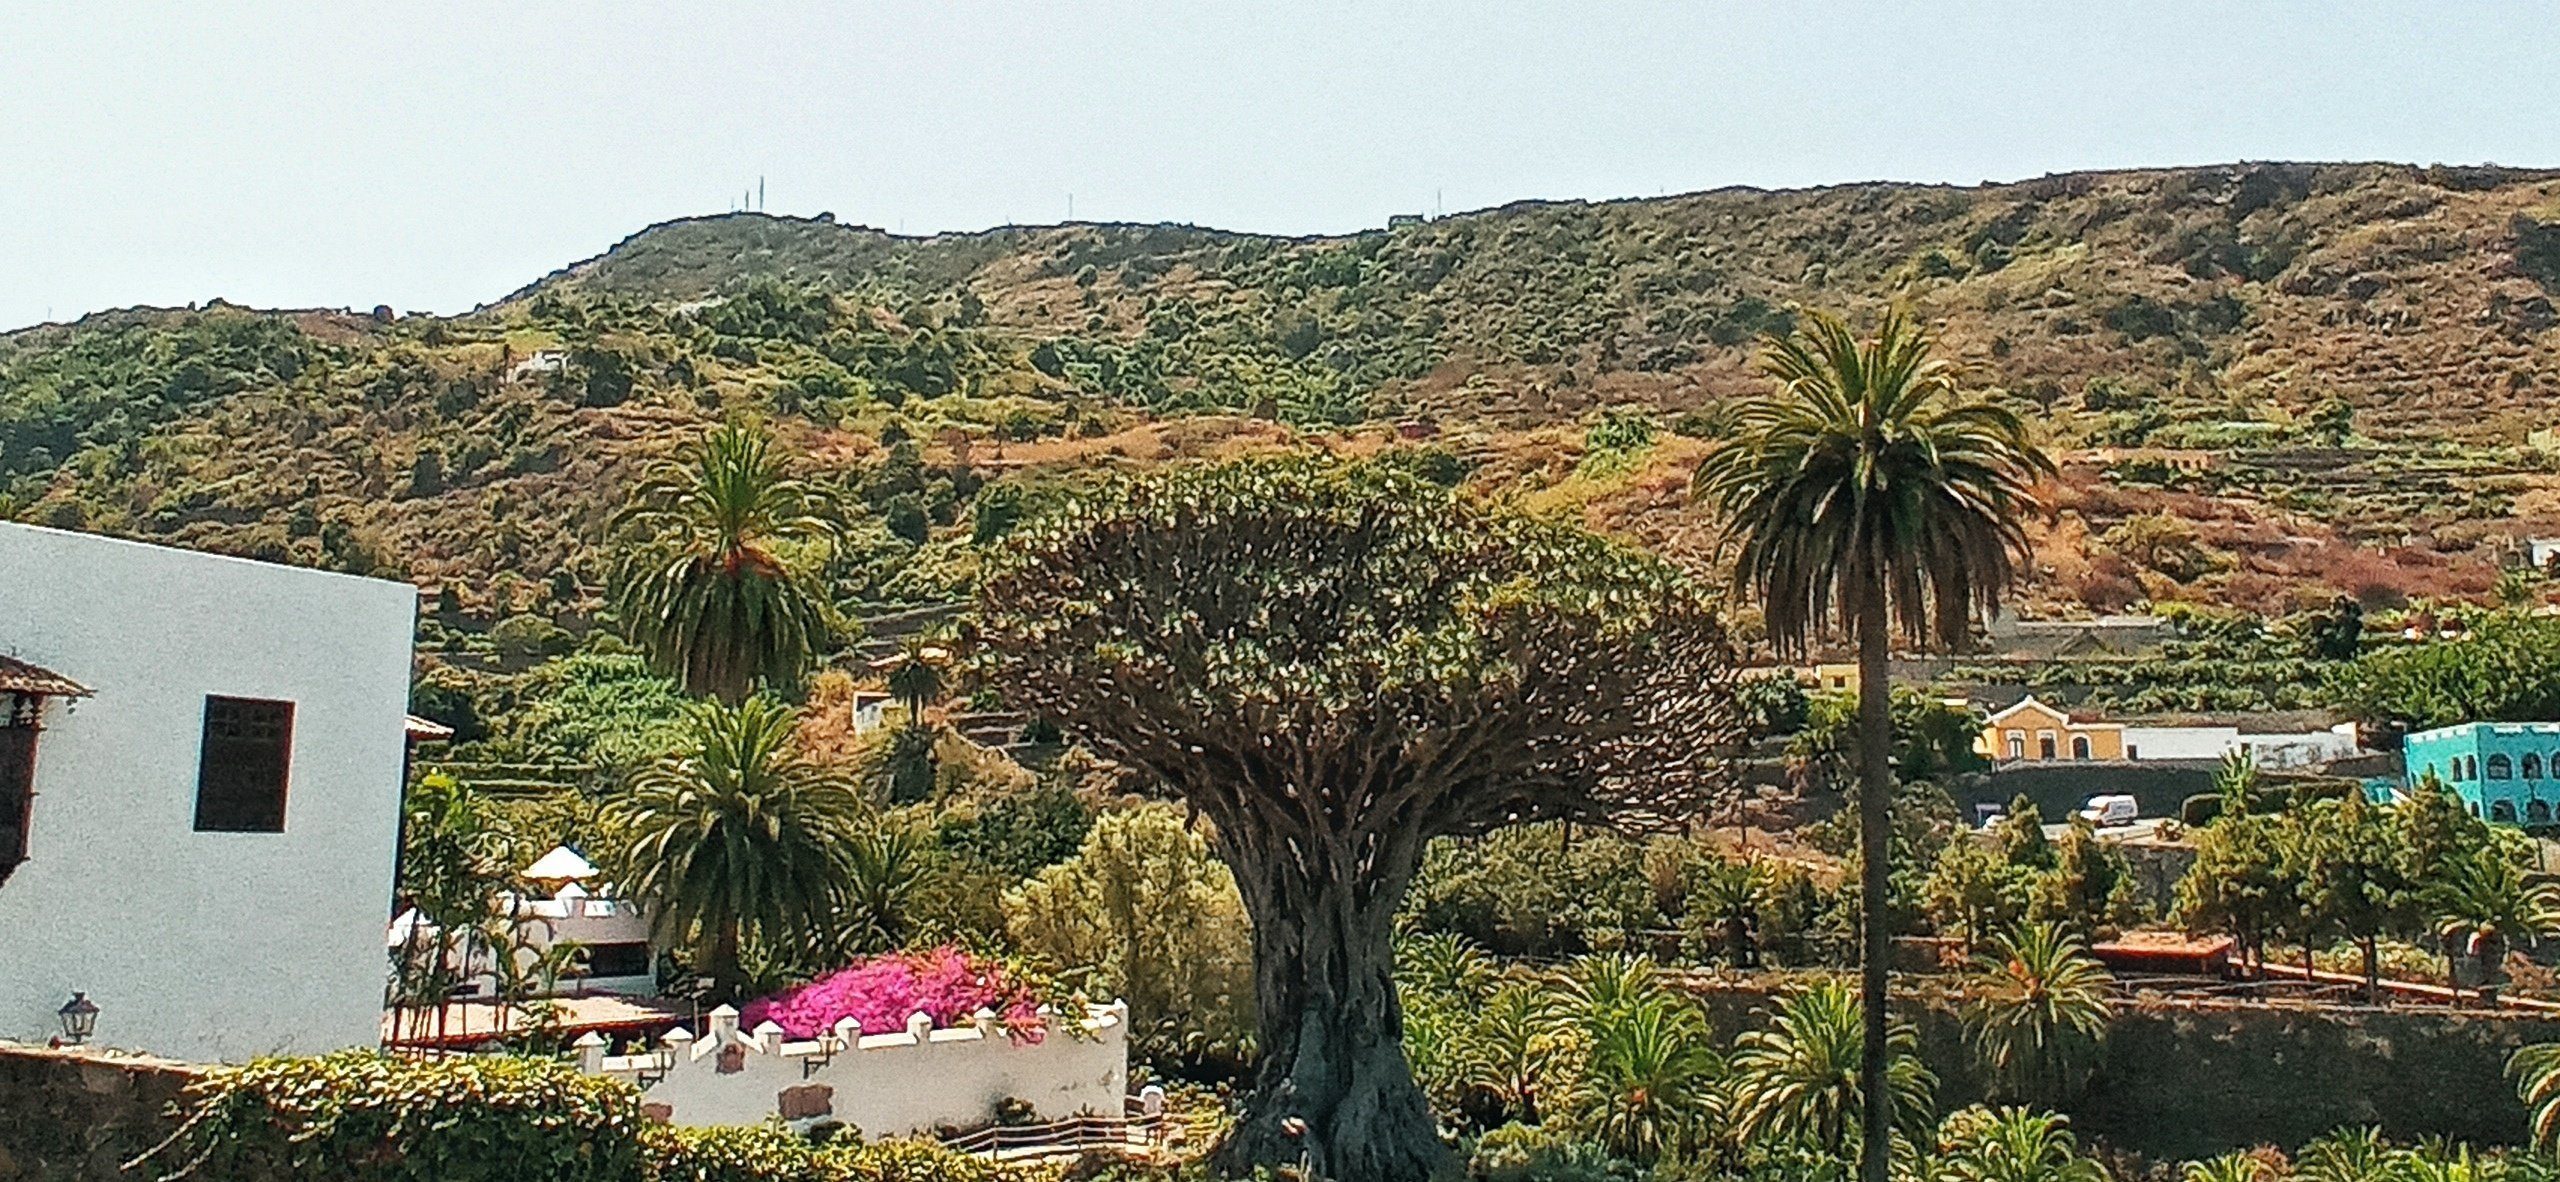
{"points": [[433, 156]]}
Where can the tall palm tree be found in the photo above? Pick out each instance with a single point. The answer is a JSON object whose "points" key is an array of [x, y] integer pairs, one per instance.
{"points": [[2039, 1011], [2482, 900], [738, 835], [704, 589], [1866, 490], [1801, 1077]]}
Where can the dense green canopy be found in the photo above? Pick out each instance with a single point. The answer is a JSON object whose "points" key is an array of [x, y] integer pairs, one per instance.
{"points": [[1335, 663], [1280, 636]]}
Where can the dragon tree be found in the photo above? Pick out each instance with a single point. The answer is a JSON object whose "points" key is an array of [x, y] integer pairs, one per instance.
{"points": [[1335, 663]]}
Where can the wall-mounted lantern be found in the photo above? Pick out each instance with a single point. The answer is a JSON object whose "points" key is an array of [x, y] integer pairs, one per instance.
{"points": [[79, 1019]]}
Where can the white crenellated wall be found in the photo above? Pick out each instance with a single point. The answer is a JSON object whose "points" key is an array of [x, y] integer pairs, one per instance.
{"points": [[883, 1084], [201, 945]]}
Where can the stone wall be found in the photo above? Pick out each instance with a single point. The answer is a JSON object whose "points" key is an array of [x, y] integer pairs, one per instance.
{"points": [[2187, 1079], [78, 1116]]}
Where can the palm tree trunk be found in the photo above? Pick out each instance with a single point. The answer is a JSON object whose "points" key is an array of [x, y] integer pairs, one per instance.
{"points": [[727, 976], [1875, 791]]}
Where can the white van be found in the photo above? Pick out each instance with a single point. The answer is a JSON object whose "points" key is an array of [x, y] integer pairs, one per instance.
{"points": [[2104, 811]]}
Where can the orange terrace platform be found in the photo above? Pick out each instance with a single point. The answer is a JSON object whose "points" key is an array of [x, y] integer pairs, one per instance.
{"points": [[2165, 953], [466, 1024]]}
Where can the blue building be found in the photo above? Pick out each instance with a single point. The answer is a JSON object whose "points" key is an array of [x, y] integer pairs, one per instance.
{"points": [[2505, 771]]}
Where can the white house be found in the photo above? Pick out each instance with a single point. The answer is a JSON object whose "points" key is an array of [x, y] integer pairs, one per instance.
{"points": [[200, 774], [611, 935]]}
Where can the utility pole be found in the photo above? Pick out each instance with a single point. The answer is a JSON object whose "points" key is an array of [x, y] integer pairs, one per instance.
{"points": [[759, 194]]}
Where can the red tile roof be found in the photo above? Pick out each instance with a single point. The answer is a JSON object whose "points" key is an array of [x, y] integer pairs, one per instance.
{"points": [[19, 677]]}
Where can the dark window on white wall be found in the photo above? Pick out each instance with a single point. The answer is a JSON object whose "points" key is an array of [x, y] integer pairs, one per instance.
{"points": [[619, 960], [247, 759], [17, 778]]}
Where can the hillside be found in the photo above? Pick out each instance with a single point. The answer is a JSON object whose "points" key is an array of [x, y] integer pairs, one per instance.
{"points": [[2274, 382]]}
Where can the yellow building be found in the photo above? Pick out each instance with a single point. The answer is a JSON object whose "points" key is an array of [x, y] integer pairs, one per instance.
{"points": [[1836, 678], [2033, 732]]}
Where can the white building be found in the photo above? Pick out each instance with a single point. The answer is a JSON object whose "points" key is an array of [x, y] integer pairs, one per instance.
{"points": [[2270, 749], [611, 936], [198, 810], [886, 1085]]}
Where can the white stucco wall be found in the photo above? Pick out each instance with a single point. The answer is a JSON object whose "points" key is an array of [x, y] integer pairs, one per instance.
{"points": [[2213, 742], [893, 1084], [2180, 742], [217, 946]]}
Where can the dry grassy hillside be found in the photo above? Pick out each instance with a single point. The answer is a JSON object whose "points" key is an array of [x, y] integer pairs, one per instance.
{"points": [[2274, 382]]}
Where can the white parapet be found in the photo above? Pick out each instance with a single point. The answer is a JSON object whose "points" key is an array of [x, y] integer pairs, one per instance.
{"points": [[910, 1081]]}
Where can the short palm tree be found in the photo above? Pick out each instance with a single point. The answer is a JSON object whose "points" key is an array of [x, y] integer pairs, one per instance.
{"points": [[881, 873], [737, 835], [2236, 1166], [2536, 1072], [1868, 491], [1595, 985], [1800, 1079], [1648, 1082], [1446, 964], [703, 590], [2352, 1155], [2039, 1011], [1514, 1048], [917, 681], [2014, 1145], [2481, 899], [1732, 893]]}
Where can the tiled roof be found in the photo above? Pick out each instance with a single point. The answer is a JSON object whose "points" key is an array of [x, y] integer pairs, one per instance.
{"points": [[19, 677]]}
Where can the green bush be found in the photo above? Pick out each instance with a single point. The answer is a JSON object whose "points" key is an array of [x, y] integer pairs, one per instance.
{"points": [[1533, 1153], [362, 1116], [767, 1152], [1536, 890], [772, 1153], [1156, 917], [1019, 832], [913, 1161]]}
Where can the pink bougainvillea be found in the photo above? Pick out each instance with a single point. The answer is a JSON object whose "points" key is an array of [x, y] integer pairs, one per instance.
{"points": [[946, 984]]}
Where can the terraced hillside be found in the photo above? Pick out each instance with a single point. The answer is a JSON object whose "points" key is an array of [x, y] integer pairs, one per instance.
{"points": [[2275, 381]]}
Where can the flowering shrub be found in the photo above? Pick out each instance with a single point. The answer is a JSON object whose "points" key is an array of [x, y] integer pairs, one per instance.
{"points": [[946, 984]]}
